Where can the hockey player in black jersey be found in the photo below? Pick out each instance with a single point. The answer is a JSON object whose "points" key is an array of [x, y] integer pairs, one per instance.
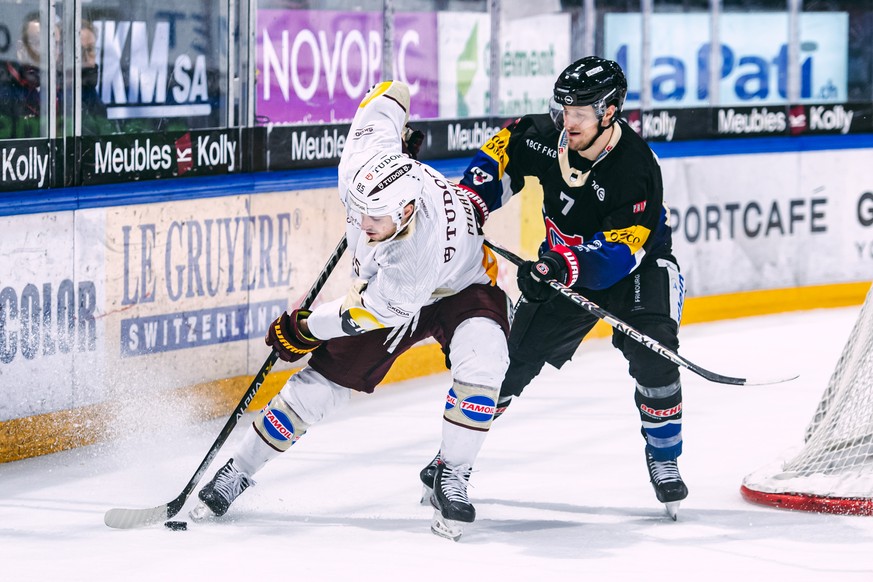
{"points": [[607, 236]]}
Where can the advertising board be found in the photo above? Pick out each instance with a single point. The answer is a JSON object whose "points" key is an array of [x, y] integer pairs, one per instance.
{"points": [[529, 63], [771, 221], [316, 65], [754, 57]]}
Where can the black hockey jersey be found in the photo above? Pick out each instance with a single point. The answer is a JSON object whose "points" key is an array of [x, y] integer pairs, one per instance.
{"points": [[608, 216]]}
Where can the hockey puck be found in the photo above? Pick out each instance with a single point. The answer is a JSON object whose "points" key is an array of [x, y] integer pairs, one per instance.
{"points": [[176, 525]]}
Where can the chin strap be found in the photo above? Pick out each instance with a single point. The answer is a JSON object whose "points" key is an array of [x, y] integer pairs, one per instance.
{"points": [[402, 228], [576, 176], [573, 176], [600, 131]]}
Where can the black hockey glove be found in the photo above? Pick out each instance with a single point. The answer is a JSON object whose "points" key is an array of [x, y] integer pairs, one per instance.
{"points": [[284, 336], [412, 140], [532, 276]]}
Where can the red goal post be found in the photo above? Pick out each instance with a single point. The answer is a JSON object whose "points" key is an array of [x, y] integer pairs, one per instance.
{"points": [[833, 472]]}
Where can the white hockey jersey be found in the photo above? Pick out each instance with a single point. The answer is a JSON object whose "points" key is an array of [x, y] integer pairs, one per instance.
{"points": [[440, 253]]}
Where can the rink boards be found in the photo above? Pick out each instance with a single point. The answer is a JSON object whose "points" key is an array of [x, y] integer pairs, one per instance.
{"points": [[111, 313]]}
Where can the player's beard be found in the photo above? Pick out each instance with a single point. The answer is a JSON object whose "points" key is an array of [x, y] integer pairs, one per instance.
{"points": [[600, 131]]}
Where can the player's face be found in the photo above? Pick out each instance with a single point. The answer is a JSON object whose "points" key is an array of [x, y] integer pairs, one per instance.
{"points": [[378, 228], [581, 124], [381, 228]]}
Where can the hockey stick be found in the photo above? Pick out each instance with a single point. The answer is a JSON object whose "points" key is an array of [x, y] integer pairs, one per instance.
{"points": [[635, 334], [130, 518]]}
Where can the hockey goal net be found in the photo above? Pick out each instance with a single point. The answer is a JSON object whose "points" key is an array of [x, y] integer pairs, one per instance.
{"points": [[833, 472]]}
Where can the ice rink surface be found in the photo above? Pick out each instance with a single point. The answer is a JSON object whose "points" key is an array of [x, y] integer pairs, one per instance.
{"points": [[560, 487]]}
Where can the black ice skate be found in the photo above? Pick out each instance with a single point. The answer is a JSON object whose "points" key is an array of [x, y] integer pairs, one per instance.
{"points": [[427, 476], [452, 507], [217, 495], [668, 484]]}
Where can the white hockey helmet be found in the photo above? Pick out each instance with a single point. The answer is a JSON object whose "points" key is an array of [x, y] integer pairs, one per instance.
{"points": [[385, 185]]}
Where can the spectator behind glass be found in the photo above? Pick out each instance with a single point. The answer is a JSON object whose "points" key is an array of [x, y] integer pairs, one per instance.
{"points": [[94, 121], [20, 85]]}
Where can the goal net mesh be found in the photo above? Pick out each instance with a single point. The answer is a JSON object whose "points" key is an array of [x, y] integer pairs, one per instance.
{"points": [[833, 472]]}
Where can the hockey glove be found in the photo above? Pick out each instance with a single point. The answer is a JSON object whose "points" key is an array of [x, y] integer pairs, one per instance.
{"points": [[533, 276], [285, 336], [412, 140]]}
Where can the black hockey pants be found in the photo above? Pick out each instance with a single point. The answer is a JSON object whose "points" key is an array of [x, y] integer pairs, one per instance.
{"points": [[649, 299]]}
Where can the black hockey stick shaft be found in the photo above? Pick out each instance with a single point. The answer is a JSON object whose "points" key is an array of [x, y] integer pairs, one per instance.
{"points": [[632, 332], [257, 381], [128, 518]]}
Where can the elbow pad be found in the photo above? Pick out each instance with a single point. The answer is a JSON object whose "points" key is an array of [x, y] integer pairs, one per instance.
{"points": [[358, 320]]}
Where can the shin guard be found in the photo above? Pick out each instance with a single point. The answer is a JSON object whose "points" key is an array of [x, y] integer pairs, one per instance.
{"points": [[278, 425], [661, 415], [470, 406], [503, 403]]}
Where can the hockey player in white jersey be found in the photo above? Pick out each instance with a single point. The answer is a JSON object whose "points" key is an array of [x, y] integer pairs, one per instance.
{"points": [[420, 270]]}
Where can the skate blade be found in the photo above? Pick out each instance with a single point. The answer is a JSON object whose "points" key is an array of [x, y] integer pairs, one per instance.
{"points": [[446, 528], [672, 508], [426, 493], [200, 513]]}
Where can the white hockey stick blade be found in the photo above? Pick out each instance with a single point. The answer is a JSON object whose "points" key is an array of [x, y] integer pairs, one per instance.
{"points": [[119, 518], [767, 381]]}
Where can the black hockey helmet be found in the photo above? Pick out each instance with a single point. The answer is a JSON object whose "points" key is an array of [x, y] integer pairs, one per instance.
{"points": [[589, 81]]}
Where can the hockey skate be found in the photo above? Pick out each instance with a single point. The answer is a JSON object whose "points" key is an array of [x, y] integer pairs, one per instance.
{"points": [[217, 495], [667, 482], [427, 476], [452, 508]]}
